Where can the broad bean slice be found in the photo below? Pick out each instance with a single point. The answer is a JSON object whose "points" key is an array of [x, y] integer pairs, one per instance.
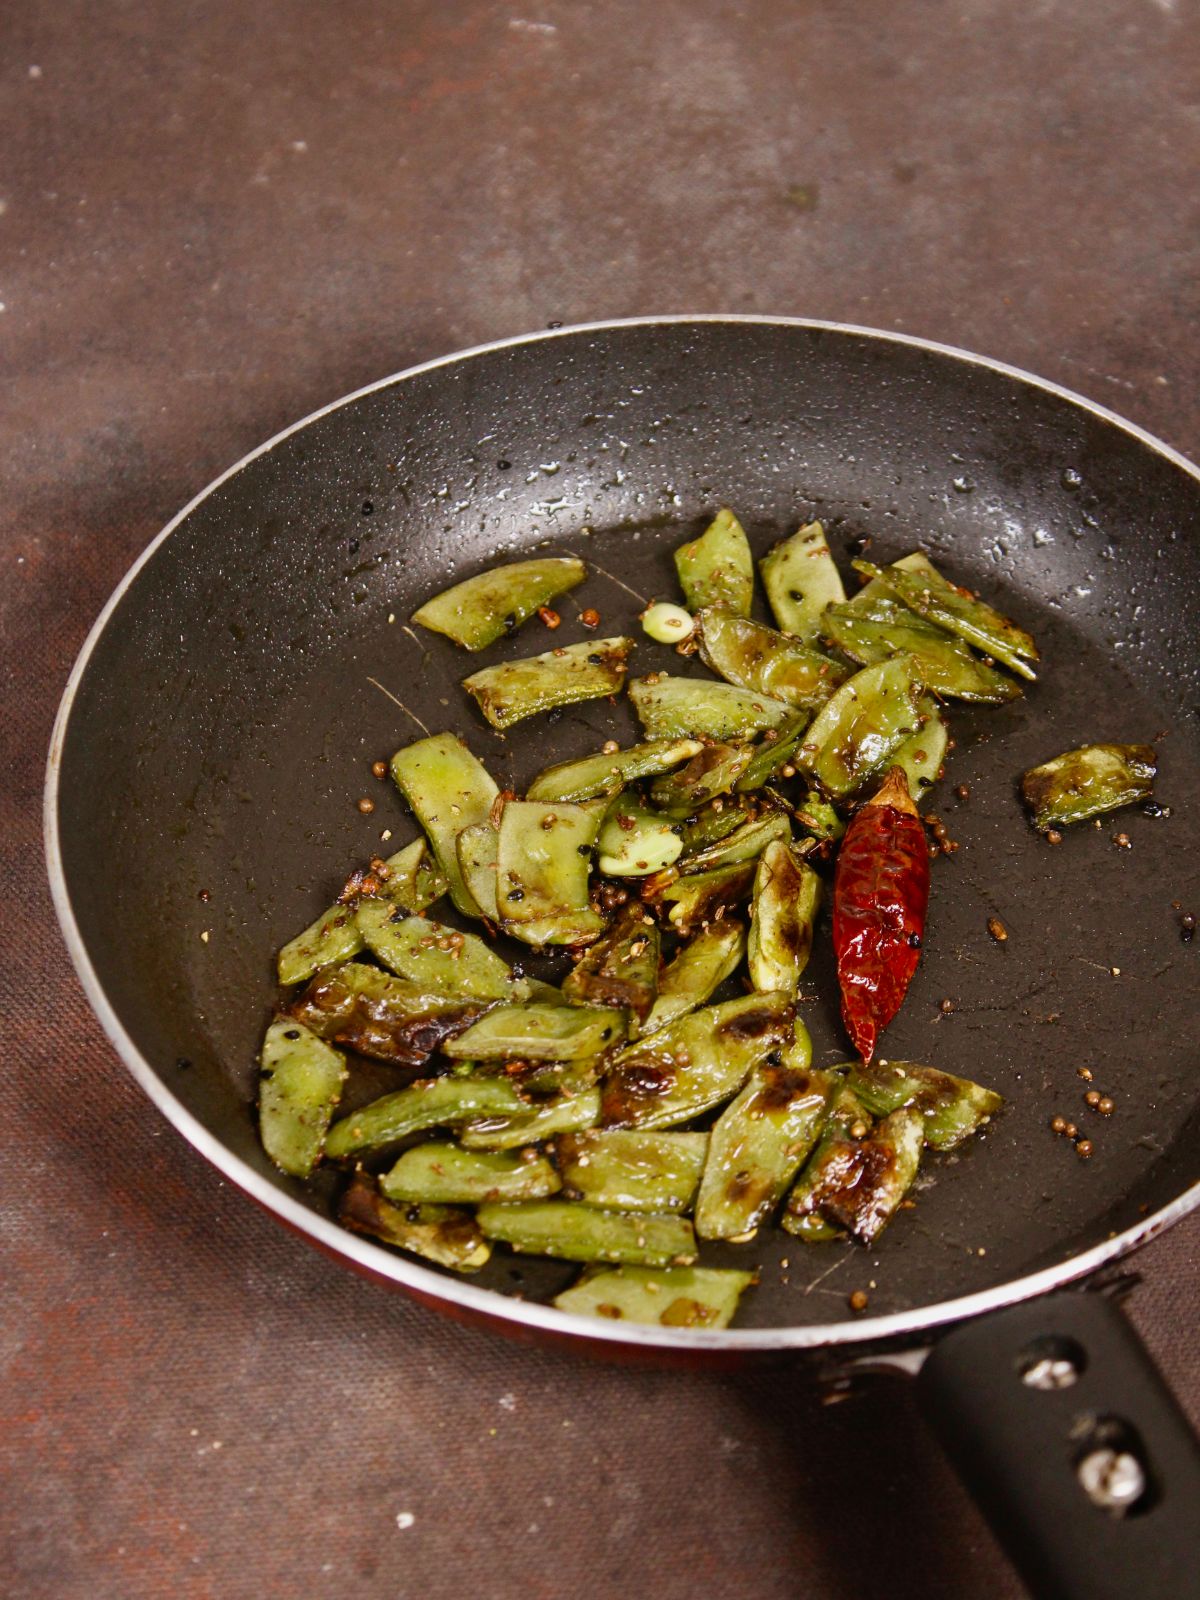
{"points": [[856, 732], [539, 1033], [621, 968], [958, 611], [774, 750], [700, 967], [1088, 782], [757, 658], [480, 610], [622, 1169], [921, 755], [430, 1103], [514, 690], [875, 589], [301, 1084], [565, 1114], [847, 1121], [607, 772], [634, 841], [671, 1297], [443, 1173], [439, 957], [701, 898], [440, 1234], [675, 708], [787, 893], [801, 580], [714, 770], [542, 871], [746, 844], [953, 1108], [448, 790], [388, 1018], [477, 849], [943, 662], [582, 1233], [717, 569], [863, 1181]]}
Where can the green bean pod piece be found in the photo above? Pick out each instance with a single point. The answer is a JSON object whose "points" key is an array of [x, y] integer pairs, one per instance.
{"points": [[388, 1018], [634, 841], [746, 844], [757, 1146], [714, 770], [1088, 782], [847, 1119], [694, 1063], [875, 589], [510, 691], [607, 772], [477, 851], [437, 956], [714, 822], [953, 1108], [675, 708], [774, 751], [801, 580], [717, 569], [818, 818], [861, 1182], [429, 1103], [441, 1234], [583, 1233], [921, 755], [701, 898], [443, 1173], [621, 968], [787, 894], [958, 611], [757, 658], [410, 881], [482, 609], [628, 1169], [668, 1297], [539, 1033], [565, 1113], [855, 733], [448, 790], [700, 967], [943, 663], [542, 871], [300, 1086]]}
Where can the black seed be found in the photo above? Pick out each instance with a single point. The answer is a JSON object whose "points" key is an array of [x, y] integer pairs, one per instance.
{"points": [[367, 507], [516, 894], [503, 466], [914, 941], [182, 1064]]}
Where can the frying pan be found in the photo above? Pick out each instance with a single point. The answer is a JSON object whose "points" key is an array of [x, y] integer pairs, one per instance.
{"points": [[220, 724]]}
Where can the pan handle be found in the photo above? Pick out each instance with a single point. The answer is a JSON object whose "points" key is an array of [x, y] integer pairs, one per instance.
{"points": [[1063, 1429]]}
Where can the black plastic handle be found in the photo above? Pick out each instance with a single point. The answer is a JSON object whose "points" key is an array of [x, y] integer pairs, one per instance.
{"points": [[1064, 1431]]}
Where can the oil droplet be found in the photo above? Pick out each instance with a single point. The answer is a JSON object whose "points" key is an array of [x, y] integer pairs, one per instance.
{"points": [[1071, 479]]}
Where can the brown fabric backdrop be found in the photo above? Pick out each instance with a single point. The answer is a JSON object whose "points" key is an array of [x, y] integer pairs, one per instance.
{"points": [[218, 217]]}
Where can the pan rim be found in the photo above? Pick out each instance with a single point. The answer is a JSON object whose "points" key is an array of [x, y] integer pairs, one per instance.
{"points": [[373, 1258]]}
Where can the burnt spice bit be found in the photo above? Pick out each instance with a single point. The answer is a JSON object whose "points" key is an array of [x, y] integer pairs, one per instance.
{"points": [[1122, 841], [1053, 836], [997, 929], [962, 791], [590, 617], [946, 1007], [549, 617], [1187, 927], [1092, 1098], [859, 1301]]}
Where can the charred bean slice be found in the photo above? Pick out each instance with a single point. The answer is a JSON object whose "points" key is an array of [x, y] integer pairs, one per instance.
{"points": [[564, 1114], [695, 1063], [448, 790], [943, 662], [443, 1173], [953, 1108], [621, 968], [717, 569], [801, 580], [431, 1103], [539, 1033], [856, 732], [701, 898], [606, 773], [675, 708], [757, 1146], [774, 751], [480, 610], [746, 844], [432, 954], [388, 1018], [1088, 782], [441, 1234], [630, 1170], [543, 863], [670, 1297], [700, 967], [787, 894], [714, 770], [584, 1233], [752, 656], [634, 841], [301, 1084], [513, 690], [958, 611], [864, 1180], [846, 1122]]}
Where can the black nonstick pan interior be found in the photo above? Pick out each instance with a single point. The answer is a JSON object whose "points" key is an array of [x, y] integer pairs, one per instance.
{"points": [[224, 721]]}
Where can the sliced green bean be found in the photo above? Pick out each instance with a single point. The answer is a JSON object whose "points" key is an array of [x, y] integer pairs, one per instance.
{"points": [[797, 1054], [757, 658], [607, 772], [634, 841], [746, 844], [448, 790], [757, 1146], [801, 580], [388, 1018], [477, 849], [480, 610], [565, 1114], [818, 818], [543, 862], [875, 590], [864, 1182], [1088, 782], [624, 1169], [440, 1234], [621, 968], [430, 1103], [436, 956], [300, 1087], [409, 879], [702, 898], [539, 1033], [694, 1063], [714, 822], [856, 732], [676, 708], [513, 690], [787, 893], [943, 662], [443, 1173], [960, 612], [921, 755], [953, 1108], [700, 967], [847, 1121], [774, 751], [717, 569], [670, 1297], [714, 770], [583, 1233]]}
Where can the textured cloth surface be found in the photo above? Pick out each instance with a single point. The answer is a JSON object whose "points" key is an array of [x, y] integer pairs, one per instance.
{"points": [[216, 218]]}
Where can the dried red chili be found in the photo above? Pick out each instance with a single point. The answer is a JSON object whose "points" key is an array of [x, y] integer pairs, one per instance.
{"points": [[880, 893]]}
